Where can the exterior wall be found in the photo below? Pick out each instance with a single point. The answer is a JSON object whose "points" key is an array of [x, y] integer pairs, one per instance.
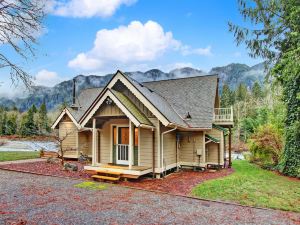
{"points": [[106, 139], [146, 152], [69, 129], [190, 143], [109, 110], [169, 144], [212, 148], [85, 142]]}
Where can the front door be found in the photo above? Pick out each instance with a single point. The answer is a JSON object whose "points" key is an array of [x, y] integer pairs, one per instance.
{"points": [[123, 146]]}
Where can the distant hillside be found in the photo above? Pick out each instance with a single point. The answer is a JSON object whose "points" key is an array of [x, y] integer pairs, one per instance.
{"points": [[233, 74]]}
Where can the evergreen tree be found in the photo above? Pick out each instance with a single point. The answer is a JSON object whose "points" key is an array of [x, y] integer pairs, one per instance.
{"points": [[241, 93], [275, 38], [23, 131], [33, 108], [4, 123], [43, 119], [11, 126], [257, 92], [226, 97]]}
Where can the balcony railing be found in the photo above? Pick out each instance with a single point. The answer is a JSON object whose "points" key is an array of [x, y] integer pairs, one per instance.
{"points": [[223, 115]]}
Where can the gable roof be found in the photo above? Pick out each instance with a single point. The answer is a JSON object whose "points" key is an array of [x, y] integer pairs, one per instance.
{"points": [[193, 95], [170, 99]]}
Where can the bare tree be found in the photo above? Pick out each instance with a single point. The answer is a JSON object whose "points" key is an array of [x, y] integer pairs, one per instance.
{"points": [[60, 139], [20, 24]]}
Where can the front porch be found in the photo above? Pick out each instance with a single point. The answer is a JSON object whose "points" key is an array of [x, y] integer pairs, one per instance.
{"points": [[123, 170]]}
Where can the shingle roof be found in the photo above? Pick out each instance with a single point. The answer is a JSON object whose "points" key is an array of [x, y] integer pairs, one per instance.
{"points": [[174, 98], [132, 108], [84, 100], [159, 102], [193, 95]]}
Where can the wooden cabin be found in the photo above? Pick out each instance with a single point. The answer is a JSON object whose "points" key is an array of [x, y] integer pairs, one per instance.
{"points": [[136, 128]]}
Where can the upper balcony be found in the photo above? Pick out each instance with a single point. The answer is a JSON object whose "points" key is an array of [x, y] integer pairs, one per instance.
{"points": [[223, 116]]}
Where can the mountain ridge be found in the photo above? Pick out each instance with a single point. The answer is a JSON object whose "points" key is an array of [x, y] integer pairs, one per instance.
{"points": [[232, 74]]}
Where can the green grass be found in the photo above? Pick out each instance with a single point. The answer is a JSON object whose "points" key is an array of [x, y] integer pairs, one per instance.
{"points": [[91, 185], [253, 186], [10, 156]]}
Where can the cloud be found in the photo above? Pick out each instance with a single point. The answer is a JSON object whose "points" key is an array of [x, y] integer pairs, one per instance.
{"points": [[47, 78], [130, 44], [237, 54], [86, 8], [187, 50]]}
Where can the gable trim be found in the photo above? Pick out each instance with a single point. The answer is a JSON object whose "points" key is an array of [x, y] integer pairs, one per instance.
{"points": [[120, 76], [109, 94], [65, 111], [140, 96]]}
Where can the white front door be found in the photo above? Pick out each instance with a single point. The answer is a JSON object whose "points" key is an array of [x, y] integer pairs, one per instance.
{"points": [[123, 146]]}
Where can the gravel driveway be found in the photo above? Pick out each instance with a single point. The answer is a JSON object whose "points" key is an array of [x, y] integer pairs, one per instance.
{"points": [[49, 200]]}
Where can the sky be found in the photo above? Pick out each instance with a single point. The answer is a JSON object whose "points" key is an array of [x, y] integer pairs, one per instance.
{"points": [[102, 36]]}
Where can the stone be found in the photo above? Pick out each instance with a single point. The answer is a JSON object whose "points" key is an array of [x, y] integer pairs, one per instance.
{"points": [[53, 160], [70, 167]]}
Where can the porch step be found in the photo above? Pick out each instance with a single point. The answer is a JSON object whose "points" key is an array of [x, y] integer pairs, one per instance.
{"points": [[108, 172], [106, 178]]}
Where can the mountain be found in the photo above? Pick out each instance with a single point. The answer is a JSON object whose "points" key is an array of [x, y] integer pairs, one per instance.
{"points": [[232, 74], [235, 73]]}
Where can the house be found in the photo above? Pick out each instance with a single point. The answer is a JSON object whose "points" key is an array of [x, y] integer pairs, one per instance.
{"points": [[141, 128]]}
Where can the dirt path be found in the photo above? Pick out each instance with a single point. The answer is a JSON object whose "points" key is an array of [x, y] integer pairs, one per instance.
{"points": [[50, 200]]}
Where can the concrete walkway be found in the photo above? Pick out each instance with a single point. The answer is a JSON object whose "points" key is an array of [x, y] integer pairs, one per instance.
{"points": [[37, 199], [22, 161]]}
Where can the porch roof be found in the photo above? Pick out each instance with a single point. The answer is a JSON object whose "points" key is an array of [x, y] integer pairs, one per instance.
{"points": [[131, 108], [212, 138]]}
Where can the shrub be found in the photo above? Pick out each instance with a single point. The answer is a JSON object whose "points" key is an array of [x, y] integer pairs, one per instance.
{"points": [[266, 146]]}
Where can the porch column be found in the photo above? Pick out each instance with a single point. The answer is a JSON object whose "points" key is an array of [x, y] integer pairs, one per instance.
{"points": [[204, 149], [130, 153], [94, 145], [229, 150]]}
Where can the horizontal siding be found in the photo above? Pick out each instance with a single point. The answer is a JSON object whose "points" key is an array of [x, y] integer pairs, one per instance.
{"points": [[85, 142], [169, 146], [189, 143], [146, 154], [106, 139], [212, 148], [68, 131]]}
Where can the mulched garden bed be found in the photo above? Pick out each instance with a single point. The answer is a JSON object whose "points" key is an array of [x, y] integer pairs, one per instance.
{"points": [[178, 183], [175, 183], [48, 169]]}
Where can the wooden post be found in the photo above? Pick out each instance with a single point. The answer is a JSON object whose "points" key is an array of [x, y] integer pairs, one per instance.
{"points": [[94, 143], [229, 150], [153, 153], [130, 153]]}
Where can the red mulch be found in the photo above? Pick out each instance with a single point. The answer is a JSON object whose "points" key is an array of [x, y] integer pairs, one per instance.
{"points": [[178, 183], [48, 169]]}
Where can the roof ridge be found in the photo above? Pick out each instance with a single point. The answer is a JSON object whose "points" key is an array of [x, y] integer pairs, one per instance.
{"points": [[181, 78]]}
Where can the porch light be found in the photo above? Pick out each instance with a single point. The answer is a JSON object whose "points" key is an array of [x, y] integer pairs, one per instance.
{"points": [[108, 101]]}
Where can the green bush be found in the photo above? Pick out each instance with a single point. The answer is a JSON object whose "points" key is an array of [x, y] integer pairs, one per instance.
{"points": [[266, 146]]}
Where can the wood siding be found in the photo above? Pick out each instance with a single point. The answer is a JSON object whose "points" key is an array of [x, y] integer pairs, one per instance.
{"points": [[85, 142], [169, 146], [212, 148], [189, 143], [109, 110], [70, 142], [106, 139]]}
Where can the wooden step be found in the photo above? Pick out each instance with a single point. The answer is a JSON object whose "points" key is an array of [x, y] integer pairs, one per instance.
{"points": [[106, 178], [108, 172]]}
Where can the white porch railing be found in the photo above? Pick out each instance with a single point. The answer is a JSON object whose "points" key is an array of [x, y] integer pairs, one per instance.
{"points": [[122, 154], [223, 114]]}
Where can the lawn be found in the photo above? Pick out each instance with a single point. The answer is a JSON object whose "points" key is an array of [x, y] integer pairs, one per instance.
{"points": [[253, 186], [10, 156]]}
